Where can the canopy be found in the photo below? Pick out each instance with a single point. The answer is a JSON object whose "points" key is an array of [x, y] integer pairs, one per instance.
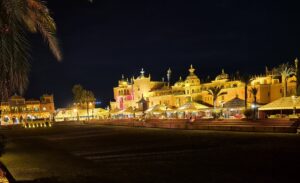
{"points": [[115, 111], [100, 110], [192, 106], [157, 109], [283, 103], [128, 110], [235, 103]]}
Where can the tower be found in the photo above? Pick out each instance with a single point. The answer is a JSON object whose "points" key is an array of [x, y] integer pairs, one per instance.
{"points": [[297, 77], [169, 72]]}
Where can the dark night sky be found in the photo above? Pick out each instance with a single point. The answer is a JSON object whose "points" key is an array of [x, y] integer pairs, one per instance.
{"points": [[107, 38]]}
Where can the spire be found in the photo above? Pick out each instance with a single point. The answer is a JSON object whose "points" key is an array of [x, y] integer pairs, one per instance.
{"points": [[122, 77], [142, 73], [223, 71], [192, 70], [180, 78]]}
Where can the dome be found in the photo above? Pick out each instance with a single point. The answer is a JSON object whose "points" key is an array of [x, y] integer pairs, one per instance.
{"points": [[192, 78], [222, 76], [180, 82]]}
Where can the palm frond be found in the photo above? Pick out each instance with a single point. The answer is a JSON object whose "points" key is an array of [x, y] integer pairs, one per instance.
{"points": [[16, 17]]}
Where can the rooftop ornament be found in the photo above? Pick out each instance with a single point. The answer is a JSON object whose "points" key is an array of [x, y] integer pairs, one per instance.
{"points": [[142, 73], [191, 70]]}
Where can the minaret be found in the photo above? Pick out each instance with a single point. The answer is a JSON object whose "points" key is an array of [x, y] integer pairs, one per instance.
{"points": [[169, 72]]}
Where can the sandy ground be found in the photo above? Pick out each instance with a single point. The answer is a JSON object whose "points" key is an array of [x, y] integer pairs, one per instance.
{"points": [[119, 154]]}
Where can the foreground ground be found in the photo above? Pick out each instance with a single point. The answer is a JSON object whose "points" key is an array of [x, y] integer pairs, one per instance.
{"points": [[93, 153]]}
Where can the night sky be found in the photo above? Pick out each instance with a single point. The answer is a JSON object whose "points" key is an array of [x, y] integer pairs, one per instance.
{"points": [[107, 38]]}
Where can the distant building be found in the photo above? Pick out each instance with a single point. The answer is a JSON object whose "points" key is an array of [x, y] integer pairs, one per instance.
{"points": [[79, 114], [17, 109]]}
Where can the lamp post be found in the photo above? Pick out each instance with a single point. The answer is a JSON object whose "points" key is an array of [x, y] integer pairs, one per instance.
{"points": [[253, 106]]}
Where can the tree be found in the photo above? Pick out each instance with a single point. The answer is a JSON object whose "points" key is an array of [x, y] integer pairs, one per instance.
{"points": [[16, 18], [83, 97], [77, 91], [216, 92], [254, 92], [285, 71]]}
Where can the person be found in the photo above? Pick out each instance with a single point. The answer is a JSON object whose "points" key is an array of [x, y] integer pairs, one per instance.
{"points": [[191, 119]]}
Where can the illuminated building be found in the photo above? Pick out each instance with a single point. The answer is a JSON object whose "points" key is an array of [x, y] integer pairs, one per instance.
{"points": [[128, 93], [80, 114], [17, 109]]}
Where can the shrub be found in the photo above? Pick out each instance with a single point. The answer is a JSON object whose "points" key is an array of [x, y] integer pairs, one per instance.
{"points": [[216, 115], [248, 113]]}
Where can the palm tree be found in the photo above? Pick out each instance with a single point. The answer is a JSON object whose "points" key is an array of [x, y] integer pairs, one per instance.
{"points": [[216, 92], [246, 79], [89, 98], [83, 97], [254, 92], [285, 71], [16, 18]]}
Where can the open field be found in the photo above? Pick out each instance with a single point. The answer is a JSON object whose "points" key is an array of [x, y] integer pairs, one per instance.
{"points": [[95, 153]]}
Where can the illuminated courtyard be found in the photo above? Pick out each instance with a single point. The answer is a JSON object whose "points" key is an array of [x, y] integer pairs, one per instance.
{"points": [[94, 153]]}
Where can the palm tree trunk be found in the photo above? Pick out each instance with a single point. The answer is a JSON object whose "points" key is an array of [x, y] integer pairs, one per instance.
{"points": [[215, 104], [246, 95], [284, 86], [255, 107]]}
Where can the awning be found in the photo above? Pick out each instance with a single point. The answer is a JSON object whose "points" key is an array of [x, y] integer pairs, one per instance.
{"points": [[284, 103]]}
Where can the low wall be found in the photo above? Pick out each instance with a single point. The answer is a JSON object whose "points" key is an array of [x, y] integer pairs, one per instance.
{"points": [[274, 126]]}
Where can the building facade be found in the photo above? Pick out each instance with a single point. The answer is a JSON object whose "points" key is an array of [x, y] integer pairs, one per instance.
{"points": [[17, 109], [270, 87]]}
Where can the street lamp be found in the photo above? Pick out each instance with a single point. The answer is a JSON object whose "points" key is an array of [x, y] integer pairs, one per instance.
{"points": [[90, 105]]}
